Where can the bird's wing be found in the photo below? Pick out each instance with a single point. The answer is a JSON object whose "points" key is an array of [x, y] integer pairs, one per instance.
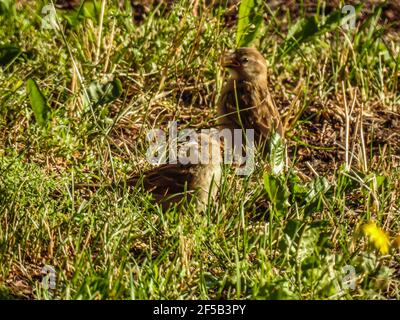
{"points": [[166, 179], [266, 115], [249, 105]]}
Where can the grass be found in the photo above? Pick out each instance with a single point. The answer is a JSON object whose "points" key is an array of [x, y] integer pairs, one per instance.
{"points": [[343, 146]]}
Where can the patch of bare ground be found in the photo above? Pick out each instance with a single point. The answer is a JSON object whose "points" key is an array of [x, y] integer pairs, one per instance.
{"points": [[373, 138]]}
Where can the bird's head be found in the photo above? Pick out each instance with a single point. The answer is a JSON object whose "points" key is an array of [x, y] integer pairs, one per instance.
{"points": [[203, 148], [245, 64]]}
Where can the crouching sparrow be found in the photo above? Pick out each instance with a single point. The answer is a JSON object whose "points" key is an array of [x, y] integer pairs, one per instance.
{"points": [[198, 178]]}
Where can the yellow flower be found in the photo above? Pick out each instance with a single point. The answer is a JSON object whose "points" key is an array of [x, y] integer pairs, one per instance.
{"points": [[377, 236]]}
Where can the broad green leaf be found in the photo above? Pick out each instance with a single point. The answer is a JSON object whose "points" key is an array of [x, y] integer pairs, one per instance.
{"points": [[307, 29], [38, 101], [303, 28], [296, 187], [72, 18], [277, 154], [373, 180], [277, 192], [87, 10], [92, 9], [250, 22], [302, 31], [336, 19], [102, 93], [380, 180], [307, 243], [288, 242], [316, 188], [300, 240]]}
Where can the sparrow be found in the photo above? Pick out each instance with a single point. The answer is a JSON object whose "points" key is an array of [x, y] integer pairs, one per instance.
{"points": [[198, 179], [246, 102]]}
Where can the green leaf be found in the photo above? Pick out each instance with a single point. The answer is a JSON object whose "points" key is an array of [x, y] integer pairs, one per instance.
{"points": [[92, 10], [312, 201], [302, 31], [87, 10], [250, 22], [277, 154], [337, 19], [8, 53], [38, 101], [373, 180], [277, 192], [300, 240], [72, 18], [102, 93], [307, 29], [316, 188]]}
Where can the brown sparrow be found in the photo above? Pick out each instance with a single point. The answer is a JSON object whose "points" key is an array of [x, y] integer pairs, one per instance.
{"points": [[168, 183], [196, 176], [245, 101]]}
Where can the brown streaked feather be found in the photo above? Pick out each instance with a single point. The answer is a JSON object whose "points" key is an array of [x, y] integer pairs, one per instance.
{"points": [[254, 108], [169, 183], [246, 102], [166, 179]]}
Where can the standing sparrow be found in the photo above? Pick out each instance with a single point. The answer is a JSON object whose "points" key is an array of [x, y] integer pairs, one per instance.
{"points": [[245, 101], [200, 177]]}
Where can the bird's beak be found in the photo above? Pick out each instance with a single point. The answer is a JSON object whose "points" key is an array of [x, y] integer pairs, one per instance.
{"points": [[229, 60]]}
